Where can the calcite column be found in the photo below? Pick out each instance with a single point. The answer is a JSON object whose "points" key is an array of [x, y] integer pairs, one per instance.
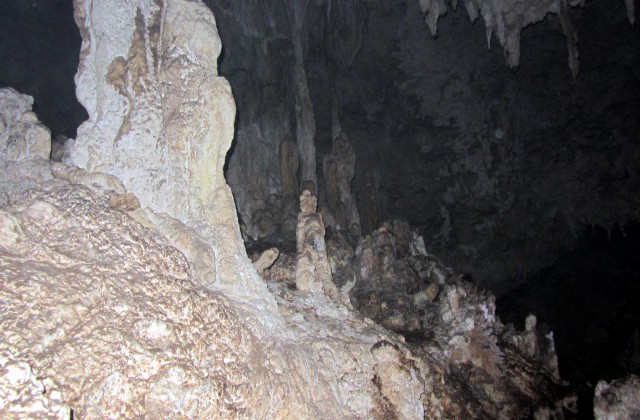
{"points": [[313, 272], [160, 117]]}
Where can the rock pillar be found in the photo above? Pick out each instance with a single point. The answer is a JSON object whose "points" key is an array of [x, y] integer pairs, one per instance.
{"points": [[160, 117], [313, 272]]}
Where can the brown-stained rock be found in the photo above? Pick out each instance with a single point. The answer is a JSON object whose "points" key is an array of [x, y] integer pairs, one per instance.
{"points": [[489, 371], [266, 259]]}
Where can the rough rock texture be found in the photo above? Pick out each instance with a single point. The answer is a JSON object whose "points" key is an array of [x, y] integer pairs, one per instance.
{"points": [[619, 399], [394, 270], [266, 259], [450, 320], [22, 394], [161, 119], [116, 322], [21, 134], [479, 368]]}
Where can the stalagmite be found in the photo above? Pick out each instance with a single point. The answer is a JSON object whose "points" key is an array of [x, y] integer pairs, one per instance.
{"points": [[313, 272], [161, 119]]}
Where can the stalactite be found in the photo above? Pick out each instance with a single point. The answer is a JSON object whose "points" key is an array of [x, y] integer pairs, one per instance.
{"points": [[507, 18], [304, 117]]}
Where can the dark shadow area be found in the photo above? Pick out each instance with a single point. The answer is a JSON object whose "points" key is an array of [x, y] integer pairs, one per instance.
{"points": [[40, 48], [589, 299]]}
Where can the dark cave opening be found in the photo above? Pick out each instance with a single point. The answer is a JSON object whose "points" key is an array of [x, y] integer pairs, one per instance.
{"points": [[589, 299], [40, 52], [418, 112]]}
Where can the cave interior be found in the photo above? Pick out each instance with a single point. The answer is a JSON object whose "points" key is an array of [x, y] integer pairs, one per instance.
{"points": [[523, 176]]}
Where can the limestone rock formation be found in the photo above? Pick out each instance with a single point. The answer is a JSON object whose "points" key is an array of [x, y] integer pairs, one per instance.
{"points": [[618, 399], [392, 262], [339, 168], [447, 318], [313, 272], [497, 169], [21, 134], [127, 293], [477, 368], [22, 394], [162, 120], [266, 259], [507, 19], [304, 115], [117, 323]]}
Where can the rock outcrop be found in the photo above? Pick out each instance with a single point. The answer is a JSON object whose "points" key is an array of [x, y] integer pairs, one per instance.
{"points": [[479, 368], [21, 134], [618, 399], [114, 318]]}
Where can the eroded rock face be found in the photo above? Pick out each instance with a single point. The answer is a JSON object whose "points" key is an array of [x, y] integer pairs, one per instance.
{"points": [[22, 394], [117, 323]]}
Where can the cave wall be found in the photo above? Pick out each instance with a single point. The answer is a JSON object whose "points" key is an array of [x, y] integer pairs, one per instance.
{"points": [[500, 169]]}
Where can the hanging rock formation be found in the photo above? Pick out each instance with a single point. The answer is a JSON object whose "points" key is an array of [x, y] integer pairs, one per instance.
{"points": [[499, 170], [507, 18]]}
